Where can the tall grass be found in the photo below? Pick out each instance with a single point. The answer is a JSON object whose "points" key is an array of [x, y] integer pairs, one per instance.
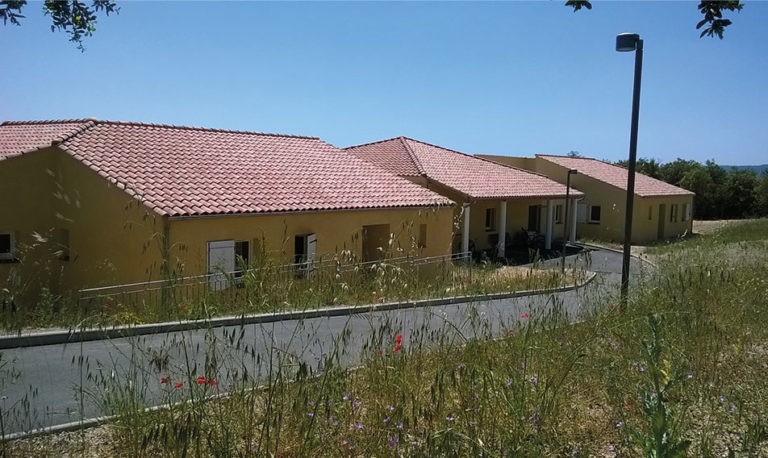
{"points": [[689, 380]]}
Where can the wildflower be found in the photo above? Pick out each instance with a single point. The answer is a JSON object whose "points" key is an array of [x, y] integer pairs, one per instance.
{"points": [[381, 352], [390, 408], [344, 442], [393, 441], [722, 398], [510, 381], [358, 426], [312, 403], [165, 380], [628, 406], [533, 380], [335, 423], [461, 366], [108, 303], [575, 451], [449, 418], [611, 448], [399, 338], [311, 414], [620, 424], [511, 331], [386, 420], [399, 426], [212, 382], [398, 347], [356, 403], [178, 385], [346, 397], [181, 306], [525, 315], [363, 297], [689, 374], [732, 408], [201, 380]]}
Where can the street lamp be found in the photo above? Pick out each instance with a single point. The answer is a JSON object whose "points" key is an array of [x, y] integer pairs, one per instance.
{"points": [[626, 42], [567, 204]]}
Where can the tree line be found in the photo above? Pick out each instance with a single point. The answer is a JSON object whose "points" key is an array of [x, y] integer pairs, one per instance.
{"points": [[720, 193]]}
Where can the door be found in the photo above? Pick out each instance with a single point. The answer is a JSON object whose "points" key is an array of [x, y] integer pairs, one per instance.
{"points": [[221, 261], [662, 220], [533, 218]]}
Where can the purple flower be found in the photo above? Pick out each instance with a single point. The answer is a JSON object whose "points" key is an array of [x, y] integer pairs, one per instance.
{"points": [[732, 408], [575, 451], [344, 442], [356, 403], [611, 448], [509, 381], [312, 403], [620, 424], [335, 423], [311, 414], [358, 426], [346, 397], [386, 420], [394, 440], [449, 418], [533, 380], [722, 398], [399, 426], [390, 408], [689, 374]]}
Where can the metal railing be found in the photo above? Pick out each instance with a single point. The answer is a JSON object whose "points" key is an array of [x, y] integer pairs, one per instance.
{"points": [[235, 287]]}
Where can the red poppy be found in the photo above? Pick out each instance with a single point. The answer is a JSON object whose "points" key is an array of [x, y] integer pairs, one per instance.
{"points": [[212, 382], [201, 380], [108, 303], [621, 310], [399, 338], [380, 352], [165, 380], [511, 331], [181, 306], [397, 347], [525, 315], [363, 297], [178, 385], [628, 406]]}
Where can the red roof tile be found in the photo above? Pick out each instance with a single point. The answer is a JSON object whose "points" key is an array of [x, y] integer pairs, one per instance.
{"points": [[471, 176], [181, 171], [615, 175], [19, 137]]}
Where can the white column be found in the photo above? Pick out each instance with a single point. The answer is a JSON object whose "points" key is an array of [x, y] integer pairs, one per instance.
{"points": [[548, 234], [465, 230], [575, 208], [502, 227]]}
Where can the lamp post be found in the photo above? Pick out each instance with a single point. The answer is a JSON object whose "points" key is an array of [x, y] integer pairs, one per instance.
{"points": [[565, 223], [626, 42]]}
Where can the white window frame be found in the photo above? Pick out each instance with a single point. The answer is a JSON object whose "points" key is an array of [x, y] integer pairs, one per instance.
{"points": [[687, 212], [11, 255]]}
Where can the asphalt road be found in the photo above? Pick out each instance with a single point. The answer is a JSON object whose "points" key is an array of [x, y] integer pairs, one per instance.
{"points": [[56, 384]]}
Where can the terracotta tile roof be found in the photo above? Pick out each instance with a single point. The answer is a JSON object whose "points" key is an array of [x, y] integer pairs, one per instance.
{"points": [[471, 176], [616, 176], [17, 137], [182, 171]]}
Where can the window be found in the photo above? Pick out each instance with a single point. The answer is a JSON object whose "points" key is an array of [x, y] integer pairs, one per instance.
{"points": [[594, 214], [242, 257], [305, 248], [422, 236], [490, 219], [673, 214], [686, 212], [650, 212], [558, 214], [6, 247]]}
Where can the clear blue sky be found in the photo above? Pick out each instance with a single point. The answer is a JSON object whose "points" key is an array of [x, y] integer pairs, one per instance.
{"points": [[492, 78]]}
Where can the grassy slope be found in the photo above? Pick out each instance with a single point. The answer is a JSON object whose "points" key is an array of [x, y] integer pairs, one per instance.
{"points": [[548, 389]]}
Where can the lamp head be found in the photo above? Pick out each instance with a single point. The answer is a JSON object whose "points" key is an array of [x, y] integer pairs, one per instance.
{"points": [[627, 42]]}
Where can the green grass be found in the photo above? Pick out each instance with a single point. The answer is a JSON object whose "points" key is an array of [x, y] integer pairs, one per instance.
{"points": [[268, 287], [679, 372]]}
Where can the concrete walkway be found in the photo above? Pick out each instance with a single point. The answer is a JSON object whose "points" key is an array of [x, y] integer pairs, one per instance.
{"points": [[58, 384]]}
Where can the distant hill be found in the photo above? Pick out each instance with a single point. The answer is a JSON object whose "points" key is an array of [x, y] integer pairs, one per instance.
{"points": [[757, 168]]}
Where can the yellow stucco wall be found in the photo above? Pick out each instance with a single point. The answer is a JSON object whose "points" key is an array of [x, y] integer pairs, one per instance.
{"points": [[114, 239], [335, 231], [111, 237], [612, 202]]}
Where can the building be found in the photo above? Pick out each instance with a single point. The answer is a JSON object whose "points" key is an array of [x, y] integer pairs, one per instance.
{"points": [[87, 203], [661, 210], [495, 199]]}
